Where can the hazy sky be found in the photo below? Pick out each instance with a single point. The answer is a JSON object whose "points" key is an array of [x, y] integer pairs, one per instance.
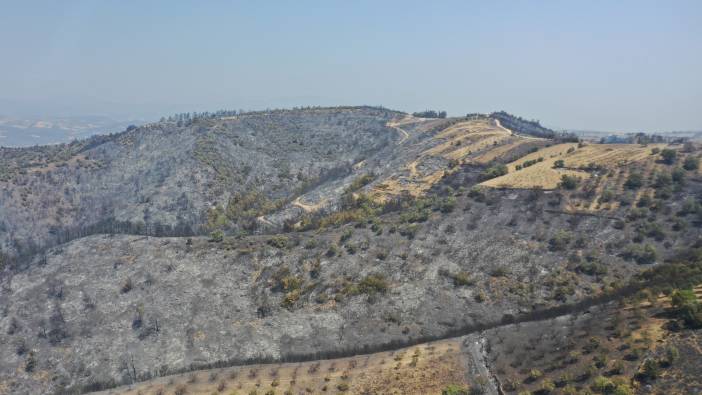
{"points": [[609, 65]]}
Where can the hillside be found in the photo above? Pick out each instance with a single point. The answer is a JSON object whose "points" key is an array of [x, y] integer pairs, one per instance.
{"points": [[162, 178], [312, 233]]}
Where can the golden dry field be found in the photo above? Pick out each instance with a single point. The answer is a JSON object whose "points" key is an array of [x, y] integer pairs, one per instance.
{"points": [[478, 141], [602, 168]]}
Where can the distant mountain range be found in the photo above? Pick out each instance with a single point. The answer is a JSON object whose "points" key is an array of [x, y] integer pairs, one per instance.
{"points": [[27, 131], [598, 134]]}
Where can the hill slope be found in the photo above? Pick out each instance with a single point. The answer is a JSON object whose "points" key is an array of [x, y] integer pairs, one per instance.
{"points": [[385, 234]]}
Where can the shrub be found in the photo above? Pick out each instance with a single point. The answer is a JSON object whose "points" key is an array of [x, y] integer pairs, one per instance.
{"points": [[346, 235], [564, 379], [618, 367], [531, 162], [216, 236], [535, 374], [623, 389], [687, 307], [547, 386], [603, 384], [560, 240], [691, 163], [569, 182], [493, 172], [650, 369], [127, 285], [373, 283], [663, 179], [31, 363], [643, 255], [592, 268], [569, 390], [279, 241], [480, 297], [607, 196], [668, 155], [634, 181], [332, 251], [342, 387], [671, 355], [558, 164], [454, 389], [678, 176], [446, 205], [311, 244], [409, 230], [461, 279], [359, 182], [500, 271]]}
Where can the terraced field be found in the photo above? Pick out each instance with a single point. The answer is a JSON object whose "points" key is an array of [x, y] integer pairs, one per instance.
{"points": [[477, 141]]}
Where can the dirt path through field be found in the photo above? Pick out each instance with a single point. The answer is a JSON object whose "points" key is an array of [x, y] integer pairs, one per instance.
{"points": [[396, 125]]}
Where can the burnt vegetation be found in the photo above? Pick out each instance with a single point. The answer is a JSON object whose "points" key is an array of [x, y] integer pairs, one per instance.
{"points": [[240, 245]]}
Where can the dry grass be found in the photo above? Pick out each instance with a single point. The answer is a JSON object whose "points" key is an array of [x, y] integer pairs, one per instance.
{"points": [[422, 369], [476, 141], [543, 175], [309, 207]]}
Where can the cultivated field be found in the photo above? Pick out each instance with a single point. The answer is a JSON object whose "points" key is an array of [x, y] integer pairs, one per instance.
{"points": [[478, 141], [602, 168], [423, 369]]}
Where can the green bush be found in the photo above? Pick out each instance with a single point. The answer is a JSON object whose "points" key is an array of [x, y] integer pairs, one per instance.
{"points": [[642, 254], [279, 241], [493, 172], [558, 164], [592, 268], [691, 163], [650, 369], [535, 374], [603, 385], [634, 181], [373, 283], [531, 162], [663, 179], [678, 176], [569, 182], [687, 307], [623, 389], [668, 155], [455, 389], [547, 386], [462, 279], [217, 236], [560, 240]]}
